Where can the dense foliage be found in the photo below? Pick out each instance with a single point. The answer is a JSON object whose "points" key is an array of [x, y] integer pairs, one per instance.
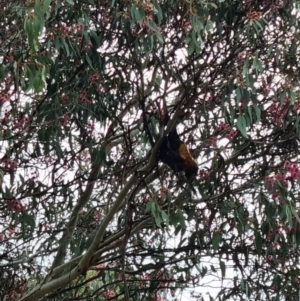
{"points": [[87, 212]]}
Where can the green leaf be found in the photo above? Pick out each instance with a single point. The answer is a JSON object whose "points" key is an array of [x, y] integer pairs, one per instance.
{"points": [[250, 81], [66, 46], [46, 4], [246, 66], [3, 72], [239, 94], [137, 14], [38, 24], [159, 13], [258, 24], [217, 238], [213, 5], [43, 76], [181, 219], [58, 149], [258, 242], [288, 214], [29, 30], [249, 114], [33, 26], [158, 218], [191, 48], [98, 155], [223, 268], [258, 113], [28, 224], [159, 37], [241, 124], [295, 213], [165, 217], [89, 61]]}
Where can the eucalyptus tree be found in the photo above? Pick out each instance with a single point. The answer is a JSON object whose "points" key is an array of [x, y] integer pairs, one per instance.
{"points": [[89, 92]]}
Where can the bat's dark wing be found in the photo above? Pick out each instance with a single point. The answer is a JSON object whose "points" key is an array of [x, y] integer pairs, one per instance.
{"points": [[169, 152]]}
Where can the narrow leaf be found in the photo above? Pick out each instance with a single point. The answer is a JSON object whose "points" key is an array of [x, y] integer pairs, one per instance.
{"points": [[241, 124]]}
